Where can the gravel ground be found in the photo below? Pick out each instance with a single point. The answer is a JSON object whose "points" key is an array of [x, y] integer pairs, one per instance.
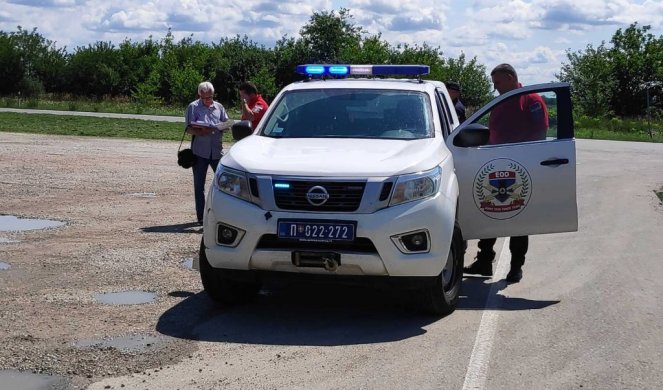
{"points": [[128, 211]]}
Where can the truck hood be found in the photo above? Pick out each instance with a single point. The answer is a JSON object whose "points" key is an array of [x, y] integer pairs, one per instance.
{"points": [[346, 157]]}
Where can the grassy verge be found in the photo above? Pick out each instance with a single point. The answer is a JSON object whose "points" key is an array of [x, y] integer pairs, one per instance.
{"points": [[617, 136], [135, 128], [113, 106], [91, 126], [659, 194]]}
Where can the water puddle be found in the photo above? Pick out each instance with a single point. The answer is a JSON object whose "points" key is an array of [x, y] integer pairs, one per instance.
{"points": [[12, 379], [144, 194], [187, 263], [125, 344], [4, 266], [10, 223], [126, 297]]}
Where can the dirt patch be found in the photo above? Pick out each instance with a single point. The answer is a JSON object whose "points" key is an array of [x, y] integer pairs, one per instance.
{"points": [[128, 211]]}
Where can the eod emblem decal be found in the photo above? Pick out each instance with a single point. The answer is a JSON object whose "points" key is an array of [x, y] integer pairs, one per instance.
{"points": [[502, 189]]}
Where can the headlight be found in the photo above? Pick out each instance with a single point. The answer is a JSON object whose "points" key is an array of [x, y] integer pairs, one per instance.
{"points": [[417, 186], [233, 183]]}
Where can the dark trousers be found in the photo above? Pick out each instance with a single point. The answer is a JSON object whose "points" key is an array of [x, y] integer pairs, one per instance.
{"points": [[517, 245], [199, 177]]}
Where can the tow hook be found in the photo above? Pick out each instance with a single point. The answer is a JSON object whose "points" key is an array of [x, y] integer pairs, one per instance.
{"points": [[331, 265]]}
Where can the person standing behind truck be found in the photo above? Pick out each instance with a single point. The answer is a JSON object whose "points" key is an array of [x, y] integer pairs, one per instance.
{"points": [[454, 93], [518, 119], [203, 119], [253, 105]]}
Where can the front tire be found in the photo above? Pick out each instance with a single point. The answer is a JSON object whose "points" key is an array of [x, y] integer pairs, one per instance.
{"points": [[220, 288], [441, 296]]}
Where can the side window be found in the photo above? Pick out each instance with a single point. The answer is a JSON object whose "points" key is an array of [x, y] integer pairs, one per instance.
{"points": [[444, 118], [528, 117]]}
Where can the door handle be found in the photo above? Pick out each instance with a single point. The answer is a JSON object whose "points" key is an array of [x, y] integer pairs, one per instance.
{"points": [[556, 161]]}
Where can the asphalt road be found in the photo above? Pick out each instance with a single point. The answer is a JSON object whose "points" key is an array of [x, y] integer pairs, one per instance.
{"points": [[586, 314]]}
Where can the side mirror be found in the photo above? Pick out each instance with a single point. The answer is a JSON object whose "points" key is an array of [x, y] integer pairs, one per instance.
{"points": [[241, 129], [472, 135]]}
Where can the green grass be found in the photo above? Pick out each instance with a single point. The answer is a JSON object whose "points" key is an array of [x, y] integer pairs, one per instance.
{"points": [[135, 128], [617, 136], [113, 106], [91, 126]]}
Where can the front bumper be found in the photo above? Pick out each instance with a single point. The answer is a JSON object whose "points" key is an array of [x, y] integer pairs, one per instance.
{"points": [[382, 258]]}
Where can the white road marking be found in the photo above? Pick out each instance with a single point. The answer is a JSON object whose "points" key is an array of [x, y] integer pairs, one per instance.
{"points": [[477, 369]]}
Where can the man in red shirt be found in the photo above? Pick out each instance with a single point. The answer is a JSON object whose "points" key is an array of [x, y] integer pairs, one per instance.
{"points": [[253, 105], [518, 119]]}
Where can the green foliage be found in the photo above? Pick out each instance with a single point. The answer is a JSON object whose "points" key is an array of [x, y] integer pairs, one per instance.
{"points": [[476, 85], [328, 36], [94, 70], [155, 72], [184, 84], [614, 80], [11, 68], [618, 128]]}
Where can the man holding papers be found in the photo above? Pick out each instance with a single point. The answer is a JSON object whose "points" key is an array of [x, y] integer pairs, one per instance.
{"points": [[204, 119]]}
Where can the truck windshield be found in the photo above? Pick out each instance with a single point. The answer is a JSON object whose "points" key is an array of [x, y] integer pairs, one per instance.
{"points": [[351, 113]]}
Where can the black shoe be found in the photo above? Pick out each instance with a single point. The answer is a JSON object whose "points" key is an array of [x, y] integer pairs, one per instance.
{"points": [[514, 275], [200, 222], [480, 268]]}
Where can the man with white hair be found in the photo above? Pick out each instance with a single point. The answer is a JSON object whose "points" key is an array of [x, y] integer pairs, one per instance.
{"points": [[203, 120]]}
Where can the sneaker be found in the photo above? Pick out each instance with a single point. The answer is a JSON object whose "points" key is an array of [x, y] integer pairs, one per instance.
{"points": [[480, 268], [514, 275]]}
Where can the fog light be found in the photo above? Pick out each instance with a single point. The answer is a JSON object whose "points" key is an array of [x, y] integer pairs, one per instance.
{"points": [[227, 235], [413, 242]]}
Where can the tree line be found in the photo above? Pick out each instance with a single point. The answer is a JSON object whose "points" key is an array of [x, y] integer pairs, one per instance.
{"points": [[166, 71], [607, 80], [614, 80]]}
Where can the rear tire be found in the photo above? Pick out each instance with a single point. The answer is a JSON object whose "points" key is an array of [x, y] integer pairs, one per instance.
{"points": [[221, 289], [441, 296]]}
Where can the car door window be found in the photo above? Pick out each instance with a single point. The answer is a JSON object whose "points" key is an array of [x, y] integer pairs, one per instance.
{"points": [[526, 117]]}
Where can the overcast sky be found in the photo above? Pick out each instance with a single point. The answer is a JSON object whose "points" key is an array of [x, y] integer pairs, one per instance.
{"points": [[531, 35]]}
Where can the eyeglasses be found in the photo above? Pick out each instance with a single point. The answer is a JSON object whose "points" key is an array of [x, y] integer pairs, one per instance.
{"points": [[208, 97]]}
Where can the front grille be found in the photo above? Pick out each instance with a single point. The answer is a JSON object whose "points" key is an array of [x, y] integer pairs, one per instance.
{"points": [[360, 244], [343, 196]]}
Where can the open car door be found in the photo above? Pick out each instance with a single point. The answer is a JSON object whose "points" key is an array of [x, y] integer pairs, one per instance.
{"points": [[522, 187]]}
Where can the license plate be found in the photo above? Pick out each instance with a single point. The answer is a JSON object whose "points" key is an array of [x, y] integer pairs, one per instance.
{"points": [[317, 230]]}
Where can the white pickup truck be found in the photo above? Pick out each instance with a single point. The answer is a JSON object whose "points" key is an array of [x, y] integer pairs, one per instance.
{"points": [[353, 176]]}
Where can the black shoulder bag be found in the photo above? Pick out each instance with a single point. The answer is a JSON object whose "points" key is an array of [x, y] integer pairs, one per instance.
{"points": [[185, 157]]}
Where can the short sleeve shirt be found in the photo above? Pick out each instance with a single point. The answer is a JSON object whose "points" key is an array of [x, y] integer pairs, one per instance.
{"points": [[258, 106], [206, 146], [518, 119]]}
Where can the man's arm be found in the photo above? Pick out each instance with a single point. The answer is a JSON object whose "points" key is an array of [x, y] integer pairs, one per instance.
{"points": [[246, 111]]}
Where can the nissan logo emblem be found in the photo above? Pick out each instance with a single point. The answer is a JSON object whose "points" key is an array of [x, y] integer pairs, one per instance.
{"points": [[317, 195]]}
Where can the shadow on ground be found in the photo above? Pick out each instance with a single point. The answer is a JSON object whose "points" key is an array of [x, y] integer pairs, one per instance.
{"points": [[322, 315], [298, 314], [191, 227], [475, 292]]}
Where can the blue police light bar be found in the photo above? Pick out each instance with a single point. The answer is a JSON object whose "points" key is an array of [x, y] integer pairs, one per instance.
{"points": [[363, 70]]}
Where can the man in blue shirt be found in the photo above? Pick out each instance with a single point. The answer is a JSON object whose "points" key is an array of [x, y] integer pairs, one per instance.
{"points": [[203, 120]]}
